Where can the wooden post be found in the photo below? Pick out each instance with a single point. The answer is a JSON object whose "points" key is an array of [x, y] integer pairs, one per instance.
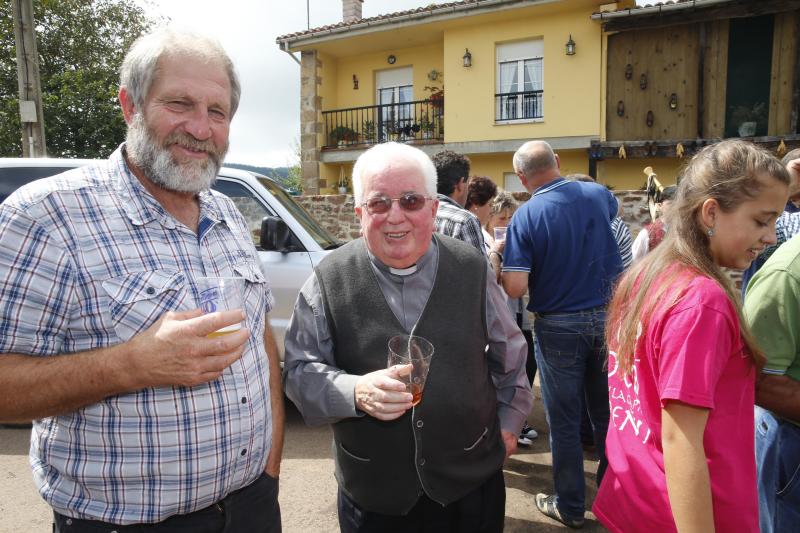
{"points": [[700, 73], [30, 92]]}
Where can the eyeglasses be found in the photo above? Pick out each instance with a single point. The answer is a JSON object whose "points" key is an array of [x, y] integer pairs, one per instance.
{"points": [[410, 201]]}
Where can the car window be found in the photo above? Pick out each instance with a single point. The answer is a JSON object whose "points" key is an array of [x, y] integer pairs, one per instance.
{"points": [[12, 178], [248, 205], [325, 240]]}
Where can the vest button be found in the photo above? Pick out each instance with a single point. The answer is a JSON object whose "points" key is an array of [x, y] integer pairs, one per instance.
{"points": [[421, 462], [420, 423]]}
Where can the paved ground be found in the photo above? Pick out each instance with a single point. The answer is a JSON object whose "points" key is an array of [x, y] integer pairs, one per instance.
{"points": [[307, 486]]}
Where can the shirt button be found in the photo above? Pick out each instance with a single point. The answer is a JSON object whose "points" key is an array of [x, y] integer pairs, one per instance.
{"points": [[150, 290], [244, 400], [420, 423], [69, 521], [244, 452], [421, 462]]}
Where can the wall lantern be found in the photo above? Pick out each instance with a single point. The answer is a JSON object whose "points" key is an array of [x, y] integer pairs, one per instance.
{"points": [[355, 82], [673, 101], [433, 75], [570, 46], [467, 58]]}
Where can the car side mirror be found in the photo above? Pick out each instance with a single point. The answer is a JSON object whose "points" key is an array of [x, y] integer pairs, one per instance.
{"points": [[275, 235]]}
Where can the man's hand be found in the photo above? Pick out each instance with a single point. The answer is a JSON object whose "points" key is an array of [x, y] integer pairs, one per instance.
{"points": [[510, 442], [381, 395], [176, 350]]}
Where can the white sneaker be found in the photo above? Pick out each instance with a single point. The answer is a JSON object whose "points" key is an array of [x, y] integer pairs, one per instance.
{"points": [[524, 441], [528, 432]]}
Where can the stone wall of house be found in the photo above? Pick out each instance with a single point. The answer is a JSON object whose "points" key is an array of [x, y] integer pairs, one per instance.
{"points": [[335, 212]]}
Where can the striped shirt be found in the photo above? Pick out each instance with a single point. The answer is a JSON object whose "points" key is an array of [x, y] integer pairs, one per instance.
{"points": [[455, 221], [623, 237], [89, 259]]}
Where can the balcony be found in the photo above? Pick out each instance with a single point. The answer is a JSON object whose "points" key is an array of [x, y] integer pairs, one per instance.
{"points": [[419, 122], [519, 106]]}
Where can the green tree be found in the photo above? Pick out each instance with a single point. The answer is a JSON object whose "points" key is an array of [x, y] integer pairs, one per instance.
{"points": [[81, 45], [294, 181]]}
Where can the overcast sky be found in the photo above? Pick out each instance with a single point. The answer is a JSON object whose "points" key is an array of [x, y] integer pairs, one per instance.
{"points": [[268, 120]]}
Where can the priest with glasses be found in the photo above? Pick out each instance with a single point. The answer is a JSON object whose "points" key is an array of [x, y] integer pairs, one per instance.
{"points": [[436, 466]]}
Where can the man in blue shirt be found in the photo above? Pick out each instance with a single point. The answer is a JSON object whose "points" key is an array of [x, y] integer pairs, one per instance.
{"points": [[560, 247]]}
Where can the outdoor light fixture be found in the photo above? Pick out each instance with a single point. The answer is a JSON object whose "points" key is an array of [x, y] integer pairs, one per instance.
{"points": [[570, 46], [355, 82], [673, 101], [391, 59], [467, 58]]}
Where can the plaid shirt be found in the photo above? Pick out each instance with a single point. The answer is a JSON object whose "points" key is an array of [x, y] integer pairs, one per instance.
{"points": [[455, 221], [89, 259]]}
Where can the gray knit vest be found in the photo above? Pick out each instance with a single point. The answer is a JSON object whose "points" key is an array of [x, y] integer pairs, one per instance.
{"points": [[450, 443]]}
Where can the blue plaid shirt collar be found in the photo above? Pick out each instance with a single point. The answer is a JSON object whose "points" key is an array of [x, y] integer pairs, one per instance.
{"points": [[141, 206]]}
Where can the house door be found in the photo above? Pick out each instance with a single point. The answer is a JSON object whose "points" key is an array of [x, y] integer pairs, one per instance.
{"points": [[394, 92]]}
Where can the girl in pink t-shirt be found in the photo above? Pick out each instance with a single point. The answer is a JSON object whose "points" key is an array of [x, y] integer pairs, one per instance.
{"points": [[681, 368]]}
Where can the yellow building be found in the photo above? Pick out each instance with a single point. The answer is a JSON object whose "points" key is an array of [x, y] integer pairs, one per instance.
{"points": [[481, 77]]}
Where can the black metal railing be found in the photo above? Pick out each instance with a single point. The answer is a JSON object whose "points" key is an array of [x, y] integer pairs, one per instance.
{"points": [[421, 120], [518, 106]]}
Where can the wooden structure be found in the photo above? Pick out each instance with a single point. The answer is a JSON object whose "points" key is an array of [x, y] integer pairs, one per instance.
{"points": [[682, 75]]}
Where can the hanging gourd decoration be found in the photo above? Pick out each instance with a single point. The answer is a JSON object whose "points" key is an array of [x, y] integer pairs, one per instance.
{"points": [[628, 71], [781, 149], [620, 108], [679, 150], [650, 119], [643, 82], [621, 154]]}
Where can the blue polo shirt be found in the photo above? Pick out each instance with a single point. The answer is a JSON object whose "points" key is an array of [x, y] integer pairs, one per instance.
{"points": [[562, 237]]}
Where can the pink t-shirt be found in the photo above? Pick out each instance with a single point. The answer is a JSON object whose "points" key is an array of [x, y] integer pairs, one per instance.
{"points": [[691, 352]]}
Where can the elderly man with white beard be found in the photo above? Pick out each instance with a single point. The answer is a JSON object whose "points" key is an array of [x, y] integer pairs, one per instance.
{"points": [[140, 418], [401, 467]]}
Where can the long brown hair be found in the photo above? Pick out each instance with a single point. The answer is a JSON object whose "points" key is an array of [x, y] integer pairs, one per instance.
{"points": [[731, 172]]}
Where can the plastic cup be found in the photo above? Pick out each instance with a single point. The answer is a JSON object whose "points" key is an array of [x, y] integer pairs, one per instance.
{"points": [[221, 294], [500, 233], [415, 351]]}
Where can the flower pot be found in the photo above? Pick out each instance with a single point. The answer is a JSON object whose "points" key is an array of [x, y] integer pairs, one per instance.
{"points": [[342, 190]]}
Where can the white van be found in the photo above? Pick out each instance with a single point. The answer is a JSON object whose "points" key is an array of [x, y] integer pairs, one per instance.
{"points": [[289, 241]]}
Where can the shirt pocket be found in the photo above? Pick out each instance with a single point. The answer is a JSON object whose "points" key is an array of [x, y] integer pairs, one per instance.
{"points": [[257, 295], [138, 299]]}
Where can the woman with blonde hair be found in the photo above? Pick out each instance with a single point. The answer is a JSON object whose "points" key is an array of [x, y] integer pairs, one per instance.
{"points": [[682, 363]]}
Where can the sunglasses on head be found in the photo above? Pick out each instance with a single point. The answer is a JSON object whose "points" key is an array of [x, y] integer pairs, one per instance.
{"points": [[410, 201]]}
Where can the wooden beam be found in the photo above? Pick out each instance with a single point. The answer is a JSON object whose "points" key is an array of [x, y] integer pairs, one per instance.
{"points": [[701, 51], [734, 9], [793, 121], [668, 148]]}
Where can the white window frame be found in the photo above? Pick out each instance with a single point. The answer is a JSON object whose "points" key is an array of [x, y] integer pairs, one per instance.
{"points": [[519, 52], [512, 183]]}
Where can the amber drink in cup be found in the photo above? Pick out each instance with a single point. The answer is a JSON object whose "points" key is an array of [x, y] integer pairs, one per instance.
{"points": [[417, 352], [221, 294]]}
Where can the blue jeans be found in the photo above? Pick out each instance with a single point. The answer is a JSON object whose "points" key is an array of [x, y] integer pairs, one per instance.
{"points": [[778, 465], [571, 356]]}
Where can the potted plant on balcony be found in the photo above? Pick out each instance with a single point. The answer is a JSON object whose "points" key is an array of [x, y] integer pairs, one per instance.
{"points": [[342, 183], [426, 125], [342, 135], [368, 131]]}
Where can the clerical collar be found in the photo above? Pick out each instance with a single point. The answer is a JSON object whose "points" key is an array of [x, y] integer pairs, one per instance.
{"points": [[430, 252]]}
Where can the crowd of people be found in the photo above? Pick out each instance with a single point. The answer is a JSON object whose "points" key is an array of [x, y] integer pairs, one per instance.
{"points": [[142, 422]]}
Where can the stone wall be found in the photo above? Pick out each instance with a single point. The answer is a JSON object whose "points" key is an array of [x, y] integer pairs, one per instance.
{"points": [[335, 212]]}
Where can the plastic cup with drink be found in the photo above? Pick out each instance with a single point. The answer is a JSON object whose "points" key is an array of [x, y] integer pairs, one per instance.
{"points": [[417, 352], [221, 294]]}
